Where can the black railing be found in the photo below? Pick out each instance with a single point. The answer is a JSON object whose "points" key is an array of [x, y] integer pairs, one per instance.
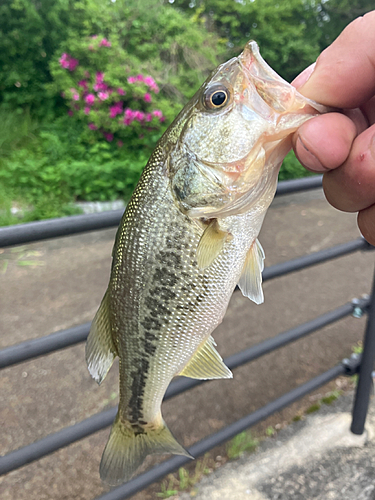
{"points": [[24, 351]]}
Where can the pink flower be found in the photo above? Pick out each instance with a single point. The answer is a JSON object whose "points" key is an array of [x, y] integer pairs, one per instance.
{"points": [[68, 62], [108, 136], [87, 110], [121, 92], [120, 144], [90, 99], [83, 84], [132, 79], [139, 116], [129, 116], [140, 78], [75, 95], [73, 63], [148, 117], [92, 126], [100, 86], [115, 110], [104, 43], [87, 74], [150, 82], [157, 113], [64, 60], [103, 95], [147, 97], [99, 77], [70, 112]]}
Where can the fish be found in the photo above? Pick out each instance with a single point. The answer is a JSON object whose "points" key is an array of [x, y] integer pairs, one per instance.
{"points": [[188, 236]]}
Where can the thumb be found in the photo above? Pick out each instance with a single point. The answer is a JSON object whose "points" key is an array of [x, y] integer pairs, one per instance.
{"points": [[344, 74]]}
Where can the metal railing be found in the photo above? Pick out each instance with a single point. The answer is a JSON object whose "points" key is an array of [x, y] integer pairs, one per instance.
{"points": [[362, 364]]}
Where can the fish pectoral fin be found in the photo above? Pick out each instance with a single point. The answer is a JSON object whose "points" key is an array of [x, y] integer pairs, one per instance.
{"points": [[100, 349], [206, 363], [250, 282], [211, 244], [128, 446]]}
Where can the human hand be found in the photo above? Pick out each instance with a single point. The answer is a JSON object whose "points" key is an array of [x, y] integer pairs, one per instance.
{"points": [[342, 145]]}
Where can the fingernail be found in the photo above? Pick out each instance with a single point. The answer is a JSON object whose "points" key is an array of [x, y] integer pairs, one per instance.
{"points": [[307, 158], [303, 77], [372, 146]]}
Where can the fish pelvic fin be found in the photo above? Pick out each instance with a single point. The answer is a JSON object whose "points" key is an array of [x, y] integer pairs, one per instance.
{"points": [[100, 349], [206, 363], [250, 282], [128, 446], [211, 244]]}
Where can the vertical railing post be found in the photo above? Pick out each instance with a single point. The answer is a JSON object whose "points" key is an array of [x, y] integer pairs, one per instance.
{"points": [[362, 395]]}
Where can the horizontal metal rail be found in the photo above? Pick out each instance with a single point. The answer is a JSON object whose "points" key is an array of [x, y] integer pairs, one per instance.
{"points": [[69, 435], [30, 349], [315, 258], [65, 226], [65, 338], [298, 185], [141, 482]]}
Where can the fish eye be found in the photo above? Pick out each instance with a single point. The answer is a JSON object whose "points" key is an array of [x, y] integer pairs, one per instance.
{"points": [[216, 97]]}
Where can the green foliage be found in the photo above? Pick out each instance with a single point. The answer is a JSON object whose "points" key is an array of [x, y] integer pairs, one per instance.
{"points": [[335, 15], [99, 82], [57, 168], [241, 443], [160, 40], [313, 408], [270, 431], [30, 33], [49, 159], [330, 398], [17, 128], [184, 479], [292, 169], [287, 32]]}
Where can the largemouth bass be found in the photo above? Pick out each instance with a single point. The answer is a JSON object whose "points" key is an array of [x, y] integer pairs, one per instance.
{"points": [[187, 238]]}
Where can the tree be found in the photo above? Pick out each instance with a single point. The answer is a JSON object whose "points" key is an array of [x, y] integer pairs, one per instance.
{"points": [[158, 39]]}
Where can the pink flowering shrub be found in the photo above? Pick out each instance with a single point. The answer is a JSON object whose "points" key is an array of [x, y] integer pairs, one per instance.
{"points": [[102, 89]]}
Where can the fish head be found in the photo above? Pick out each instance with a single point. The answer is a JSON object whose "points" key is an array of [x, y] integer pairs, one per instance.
{"points": [[232, 136]]}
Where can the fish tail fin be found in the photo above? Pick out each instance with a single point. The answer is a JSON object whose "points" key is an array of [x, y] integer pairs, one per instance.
{"points": [[128, 446]]}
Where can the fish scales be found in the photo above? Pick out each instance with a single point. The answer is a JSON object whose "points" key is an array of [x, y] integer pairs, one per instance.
{"points": [[187, 237], [170, 312]]}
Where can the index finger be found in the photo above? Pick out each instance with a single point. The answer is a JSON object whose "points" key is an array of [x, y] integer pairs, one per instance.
{"points": [[344, 74]]}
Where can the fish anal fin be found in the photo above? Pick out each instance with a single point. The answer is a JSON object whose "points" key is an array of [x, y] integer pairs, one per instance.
{"points": [[211, 244], [206, 363], [250, 282], [100, 349], [128, 445]]}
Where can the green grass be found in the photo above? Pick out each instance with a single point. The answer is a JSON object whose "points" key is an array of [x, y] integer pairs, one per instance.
{"points": [[185, 480], [240, 444]]}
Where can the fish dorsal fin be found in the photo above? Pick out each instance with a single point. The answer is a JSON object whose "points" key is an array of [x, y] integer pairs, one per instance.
{"points": [[100, 349], [206, 363], [250, 282], [211, 244]]}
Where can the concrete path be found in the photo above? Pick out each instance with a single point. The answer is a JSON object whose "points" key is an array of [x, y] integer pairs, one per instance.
{"points": [[51, 285], [317, 459]]}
